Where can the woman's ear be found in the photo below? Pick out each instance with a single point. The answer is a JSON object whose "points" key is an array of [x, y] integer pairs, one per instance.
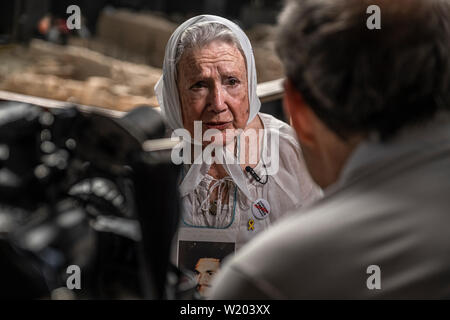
{"points": [[302, 117]]}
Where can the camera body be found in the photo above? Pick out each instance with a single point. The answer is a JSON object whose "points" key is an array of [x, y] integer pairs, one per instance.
{"points": [[78, 192]]}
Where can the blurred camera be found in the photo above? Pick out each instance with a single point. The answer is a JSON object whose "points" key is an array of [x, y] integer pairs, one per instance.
{"points": [[85, 212]]}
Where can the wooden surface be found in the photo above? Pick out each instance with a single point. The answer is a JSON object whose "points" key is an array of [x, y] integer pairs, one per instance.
{"points": [[267, 91], [48, 103], [270, 90]]}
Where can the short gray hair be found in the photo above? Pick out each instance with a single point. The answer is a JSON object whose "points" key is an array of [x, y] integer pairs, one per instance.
{"points": [[358, 80], [199, 35]]}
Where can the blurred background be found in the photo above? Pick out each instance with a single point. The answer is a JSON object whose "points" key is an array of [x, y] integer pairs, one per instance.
{"points": [[114, 60]]}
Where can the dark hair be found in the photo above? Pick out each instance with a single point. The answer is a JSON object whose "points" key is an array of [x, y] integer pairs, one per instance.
{"points": [[192, 251], [359, 80]]}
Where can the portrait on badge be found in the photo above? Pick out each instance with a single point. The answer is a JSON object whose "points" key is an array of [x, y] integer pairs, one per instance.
{"points": [[203, 259]]}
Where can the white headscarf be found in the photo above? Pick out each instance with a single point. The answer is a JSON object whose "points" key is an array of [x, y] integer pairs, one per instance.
{"points": [[166, 88], [169, 102]]}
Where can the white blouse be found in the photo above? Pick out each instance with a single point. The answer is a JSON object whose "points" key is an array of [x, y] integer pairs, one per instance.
{"points": [[240, 219]]}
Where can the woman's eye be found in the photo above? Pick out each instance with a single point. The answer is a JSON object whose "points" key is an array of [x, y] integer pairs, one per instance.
{"points": [[198, 85], [233, 81]]}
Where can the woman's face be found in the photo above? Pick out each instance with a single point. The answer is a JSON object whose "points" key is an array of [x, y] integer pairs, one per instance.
{"points": [[212, 84]]}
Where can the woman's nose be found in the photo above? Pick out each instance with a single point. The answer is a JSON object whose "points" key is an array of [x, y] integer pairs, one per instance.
{"points": [[202, 279], [217, 101]]}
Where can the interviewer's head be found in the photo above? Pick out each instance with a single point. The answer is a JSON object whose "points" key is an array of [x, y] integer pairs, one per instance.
{"points": [[346, 81]]}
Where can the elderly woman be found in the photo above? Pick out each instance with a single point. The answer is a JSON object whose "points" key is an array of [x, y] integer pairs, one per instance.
{"points": [[209, 76]]}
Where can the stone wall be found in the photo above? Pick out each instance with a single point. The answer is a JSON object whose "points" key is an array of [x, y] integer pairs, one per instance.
{"points": [[114, 69], [81, 75]]}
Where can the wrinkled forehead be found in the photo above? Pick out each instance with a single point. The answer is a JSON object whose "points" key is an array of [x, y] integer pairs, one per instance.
{"points": [[221, 56], [238, 34]]}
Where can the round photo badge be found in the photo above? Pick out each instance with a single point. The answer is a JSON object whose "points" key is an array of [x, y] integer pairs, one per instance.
{"points": [[261, 209]]}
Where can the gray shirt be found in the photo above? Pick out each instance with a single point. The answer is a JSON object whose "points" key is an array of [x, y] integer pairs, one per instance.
{"points": [[390, 209]]}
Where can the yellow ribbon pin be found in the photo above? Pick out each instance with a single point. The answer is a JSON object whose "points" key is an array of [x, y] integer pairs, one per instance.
{"points": [[251, 223]]}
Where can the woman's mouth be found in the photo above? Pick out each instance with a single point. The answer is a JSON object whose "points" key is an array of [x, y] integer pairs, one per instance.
{"points": [[218, 125]]}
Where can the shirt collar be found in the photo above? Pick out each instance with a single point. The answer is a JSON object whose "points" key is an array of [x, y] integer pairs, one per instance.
{"points": [[372, 154]]}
